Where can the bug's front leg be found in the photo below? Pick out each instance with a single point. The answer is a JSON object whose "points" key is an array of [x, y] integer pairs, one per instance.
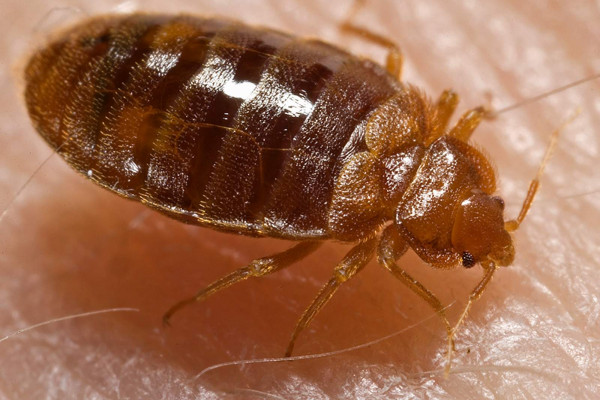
{"points": [[392, 247]]}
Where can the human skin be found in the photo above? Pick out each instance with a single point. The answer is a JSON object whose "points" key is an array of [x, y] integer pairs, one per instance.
{"points": [[68, 246]]}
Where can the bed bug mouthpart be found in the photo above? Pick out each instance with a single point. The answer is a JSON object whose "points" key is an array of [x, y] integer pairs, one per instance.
{"points": [[257, 132]]}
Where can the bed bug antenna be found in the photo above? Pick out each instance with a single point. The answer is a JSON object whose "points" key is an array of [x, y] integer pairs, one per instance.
{"points": [[490, 266], [514, 224], [491, 113]]}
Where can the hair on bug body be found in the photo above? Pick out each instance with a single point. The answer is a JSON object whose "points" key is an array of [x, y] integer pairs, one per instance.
{"points": [[435, 189]]}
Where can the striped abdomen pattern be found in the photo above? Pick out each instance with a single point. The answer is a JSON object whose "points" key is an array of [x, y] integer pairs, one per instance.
{"points": [[209, 121]]}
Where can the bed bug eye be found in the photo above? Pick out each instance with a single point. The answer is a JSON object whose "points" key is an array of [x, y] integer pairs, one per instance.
{"points": [[467, 259]]}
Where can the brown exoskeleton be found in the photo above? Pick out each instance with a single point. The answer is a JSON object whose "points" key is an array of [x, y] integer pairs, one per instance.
{"points": [[257, 132]]}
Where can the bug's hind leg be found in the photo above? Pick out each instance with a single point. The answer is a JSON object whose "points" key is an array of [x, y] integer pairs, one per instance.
{"points": [[352, 263], [392, 247], [257, 268], [394, 59]]}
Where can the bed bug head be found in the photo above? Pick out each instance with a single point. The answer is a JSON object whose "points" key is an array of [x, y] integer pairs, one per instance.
{"points": [[479, 233]]}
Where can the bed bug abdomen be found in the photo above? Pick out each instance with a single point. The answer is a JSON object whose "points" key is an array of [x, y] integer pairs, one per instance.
{"points": [[208, 121]]}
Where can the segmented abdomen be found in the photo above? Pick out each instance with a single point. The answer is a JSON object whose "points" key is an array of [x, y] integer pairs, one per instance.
{"points": [[208, 121]]}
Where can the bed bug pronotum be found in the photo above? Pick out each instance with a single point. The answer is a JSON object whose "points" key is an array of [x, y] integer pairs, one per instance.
{"points": [[257, 132]]}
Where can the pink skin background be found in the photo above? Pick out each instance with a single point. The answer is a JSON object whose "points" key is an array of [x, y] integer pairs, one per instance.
{"points": [[67, 246]]}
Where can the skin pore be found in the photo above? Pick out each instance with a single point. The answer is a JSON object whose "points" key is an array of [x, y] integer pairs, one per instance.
{"points": [[67, 246]]}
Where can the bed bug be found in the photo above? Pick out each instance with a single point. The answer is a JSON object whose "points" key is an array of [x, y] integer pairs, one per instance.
{"points": [[257, 132]]}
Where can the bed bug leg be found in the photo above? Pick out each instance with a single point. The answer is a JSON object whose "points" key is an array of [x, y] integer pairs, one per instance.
{"points": [[394, 58], [467, 124], [352, 263], [444, 109], [259, 267], [489, 269], [392, 247]]}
